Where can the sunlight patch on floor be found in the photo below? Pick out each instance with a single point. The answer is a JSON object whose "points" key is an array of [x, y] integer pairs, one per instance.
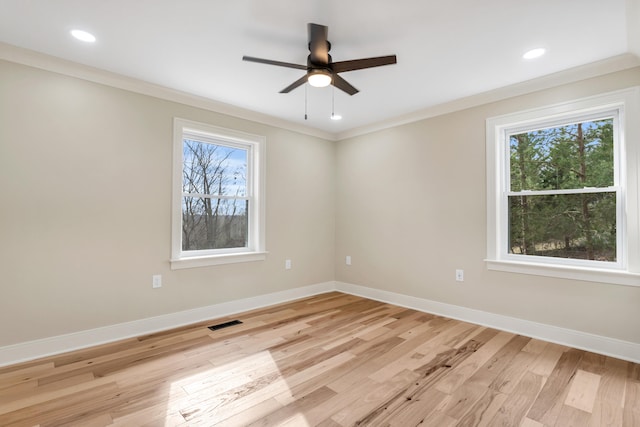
{"points": [[237, 393]]}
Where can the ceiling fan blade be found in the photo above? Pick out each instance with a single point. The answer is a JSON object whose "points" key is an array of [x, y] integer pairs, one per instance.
{"points": [[270, 62], [318, 44], [343, 85], [359, 64], [302, 80]]}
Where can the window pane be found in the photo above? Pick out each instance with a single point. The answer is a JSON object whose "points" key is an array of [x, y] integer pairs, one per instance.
{"points": [[213, 169], [578, 226], [211, 223], [565, 157]]}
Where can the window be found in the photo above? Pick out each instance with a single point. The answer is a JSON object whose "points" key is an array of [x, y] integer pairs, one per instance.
{"points": [[562, 195], [218, 200], [563, 190]]}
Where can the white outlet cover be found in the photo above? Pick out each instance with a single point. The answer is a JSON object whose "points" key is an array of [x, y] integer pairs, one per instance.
{"points": [[156, 281]]}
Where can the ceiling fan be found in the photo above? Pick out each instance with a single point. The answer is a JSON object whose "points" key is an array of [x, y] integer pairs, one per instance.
{"points": [[321, 71]]}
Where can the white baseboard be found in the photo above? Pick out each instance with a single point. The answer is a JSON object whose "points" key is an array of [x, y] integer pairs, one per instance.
{"points": [[595, 343], [36, 349], [63, 343]]}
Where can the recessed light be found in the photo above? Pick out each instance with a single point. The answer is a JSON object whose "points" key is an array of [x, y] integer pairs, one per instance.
{"points": [[83, 36], [534, 53], [336, 117]]}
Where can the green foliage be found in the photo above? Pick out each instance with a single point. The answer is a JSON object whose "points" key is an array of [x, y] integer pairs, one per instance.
{"points": [[570, 157]]}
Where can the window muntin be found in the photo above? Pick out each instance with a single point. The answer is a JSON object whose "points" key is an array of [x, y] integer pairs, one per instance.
{"points": [[561, 193], [218, 196]]}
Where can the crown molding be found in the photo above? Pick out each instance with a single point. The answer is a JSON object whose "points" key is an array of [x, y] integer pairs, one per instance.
{"points": [[594, 69], [73, 69]]}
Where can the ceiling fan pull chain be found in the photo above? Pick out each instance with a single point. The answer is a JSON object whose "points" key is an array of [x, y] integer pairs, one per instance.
{"points": [[305, 102], [334, 116]]}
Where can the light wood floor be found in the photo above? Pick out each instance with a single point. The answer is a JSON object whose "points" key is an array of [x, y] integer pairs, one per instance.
{"points": [[329, 360]]}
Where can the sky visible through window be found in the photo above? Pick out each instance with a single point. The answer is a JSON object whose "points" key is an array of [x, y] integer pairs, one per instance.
{"points": [[214, 169]]}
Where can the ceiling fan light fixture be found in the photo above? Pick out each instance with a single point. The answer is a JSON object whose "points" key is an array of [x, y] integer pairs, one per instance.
{"points": [[319, 78]]}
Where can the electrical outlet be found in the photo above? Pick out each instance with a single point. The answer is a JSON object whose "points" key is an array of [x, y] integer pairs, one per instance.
{"points": [[287, 264], [347, 260], [459, 275], [156, 281]]}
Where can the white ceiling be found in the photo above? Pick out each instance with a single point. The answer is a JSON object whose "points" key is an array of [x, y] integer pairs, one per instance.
{"points": [[447, 50]]}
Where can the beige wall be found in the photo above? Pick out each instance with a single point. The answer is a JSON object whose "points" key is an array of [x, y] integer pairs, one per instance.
{"points": [[411, 208], [85, 184]]}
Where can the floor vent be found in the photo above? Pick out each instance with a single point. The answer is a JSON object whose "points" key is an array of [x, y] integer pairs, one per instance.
{"points": [[225, 325]]}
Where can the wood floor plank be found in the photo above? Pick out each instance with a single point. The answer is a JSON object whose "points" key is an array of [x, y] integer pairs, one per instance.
{"points": [[263, 388], [376, 400], [418, 410], [321, 414], [551, 399], [160, 411], [547, 360], [65, 406], [512, 371], [25, 373], [463, 399], [517, 404], [288, 413], [535, 346], [330, 360], [573, 417], [374, 355], [249, 416], [484, 410], [473, 363], [315, 382], [436, 336], [631, 413], [605, 414], [633, 371], [439, 419], [429, 374], [613, 381], [583, 391], [528, 422]]}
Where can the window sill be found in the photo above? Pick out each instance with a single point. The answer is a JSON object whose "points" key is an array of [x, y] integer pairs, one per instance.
{"points": [[209, 260], [616, 277]]}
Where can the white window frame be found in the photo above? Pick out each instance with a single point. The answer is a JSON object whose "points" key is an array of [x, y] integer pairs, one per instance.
{"points": [[620, 104], [255, 146]]}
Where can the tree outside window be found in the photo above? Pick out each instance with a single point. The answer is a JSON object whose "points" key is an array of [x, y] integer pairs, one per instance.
{"points": [[562, 195], [215, 203]]}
